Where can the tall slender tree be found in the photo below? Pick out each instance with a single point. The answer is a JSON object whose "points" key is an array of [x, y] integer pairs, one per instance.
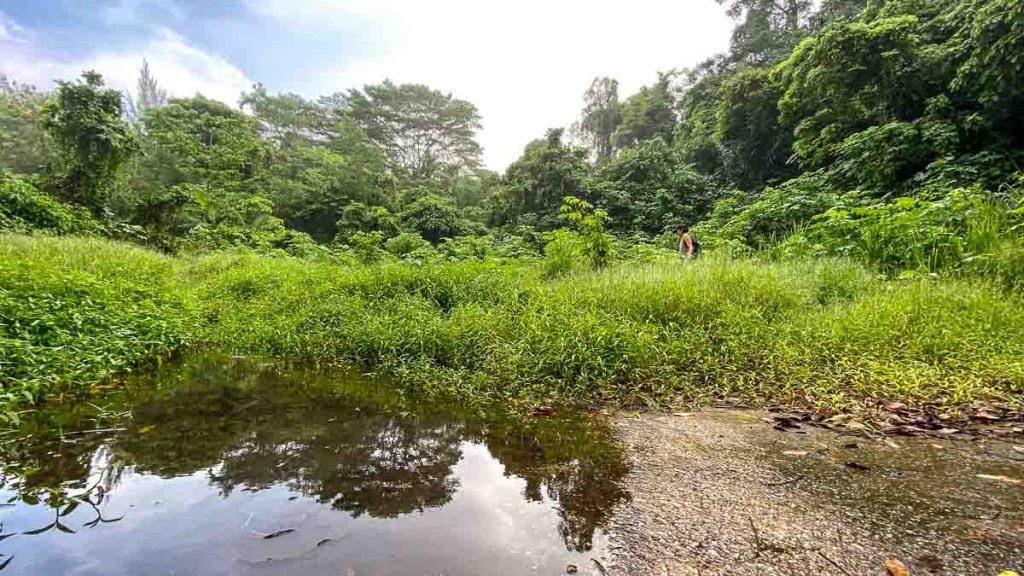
{"points": [[151, 95]]}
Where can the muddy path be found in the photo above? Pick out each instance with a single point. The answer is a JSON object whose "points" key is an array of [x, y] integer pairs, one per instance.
{"points": [[722, 492]]}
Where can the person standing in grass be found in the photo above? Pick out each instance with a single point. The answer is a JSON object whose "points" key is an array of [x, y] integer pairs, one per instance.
{"points": [[688, 247]]}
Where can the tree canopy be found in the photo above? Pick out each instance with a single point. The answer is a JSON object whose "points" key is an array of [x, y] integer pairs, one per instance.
{"points": [[421, 130]]}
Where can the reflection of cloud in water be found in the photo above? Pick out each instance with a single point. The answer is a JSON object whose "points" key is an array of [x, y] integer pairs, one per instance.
{"points": [[441, 484]]}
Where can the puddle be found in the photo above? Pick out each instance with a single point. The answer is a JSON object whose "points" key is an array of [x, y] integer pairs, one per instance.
{"points": [[230, 466]]}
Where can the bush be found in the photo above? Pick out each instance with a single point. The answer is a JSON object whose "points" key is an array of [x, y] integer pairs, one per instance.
{"points": [[969, 229], [24, 208]]}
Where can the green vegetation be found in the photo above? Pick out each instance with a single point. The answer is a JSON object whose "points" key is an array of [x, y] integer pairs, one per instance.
{"points": [[816, 331], [854, 172]]}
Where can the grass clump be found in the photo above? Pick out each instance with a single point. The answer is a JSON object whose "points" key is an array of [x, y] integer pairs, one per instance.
{"points": [[77, 310], [818, 331]]}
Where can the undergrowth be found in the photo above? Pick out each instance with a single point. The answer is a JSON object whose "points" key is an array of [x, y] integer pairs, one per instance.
{"points": [[819, 331]]}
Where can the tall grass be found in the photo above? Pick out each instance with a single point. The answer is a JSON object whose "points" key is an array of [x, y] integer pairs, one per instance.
{"points": [[825, 332], [77, 310]]}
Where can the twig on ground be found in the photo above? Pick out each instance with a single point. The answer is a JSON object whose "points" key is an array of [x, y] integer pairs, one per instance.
{"points": [[834, 563]]}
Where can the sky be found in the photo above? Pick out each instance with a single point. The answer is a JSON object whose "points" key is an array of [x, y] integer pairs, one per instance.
{"points": [[524, 63]]}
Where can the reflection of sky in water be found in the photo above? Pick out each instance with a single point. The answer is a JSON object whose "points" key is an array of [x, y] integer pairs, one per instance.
{"points": [[211, 454], [183, 525]]}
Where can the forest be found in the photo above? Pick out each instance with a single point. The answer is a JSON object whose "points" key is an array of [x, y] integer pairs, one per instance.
{"points": [[854, 171]]}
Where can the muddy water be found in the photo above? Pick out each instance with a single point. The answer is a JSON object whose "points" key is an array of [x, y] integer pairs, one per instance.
{"points": [[229, 466]]}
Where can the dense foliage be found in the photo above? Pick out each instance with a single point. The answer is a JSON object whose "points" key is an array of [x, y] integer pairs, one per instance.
{"points": [[812, 331], [872, 106], [890, 132]]}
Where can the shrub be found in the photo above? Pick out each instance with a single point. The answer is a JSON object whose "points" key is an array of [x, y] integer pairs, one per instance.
{"points": [[24, 208], [968, 229]]}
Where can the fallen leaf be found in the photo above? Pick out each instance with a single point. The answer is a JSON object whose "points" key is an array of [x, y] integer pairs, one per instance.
{"points": [[856, 466], [937, 446], [947, 431], [1007, 573], [999, 478], [890, 443], [785, 423], [795, 453], [543, 411], [851, 445], [896, 407], [895, 567]]}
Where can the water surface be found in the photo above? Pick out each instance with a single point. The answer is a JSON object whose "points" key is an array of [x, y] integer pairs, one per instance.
{"points": [[219, 465]]}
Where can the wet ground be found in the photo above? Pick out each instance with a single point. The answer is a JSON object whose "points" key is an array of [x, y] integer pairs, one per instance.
{"points": [[722, 492], [216, 465]]}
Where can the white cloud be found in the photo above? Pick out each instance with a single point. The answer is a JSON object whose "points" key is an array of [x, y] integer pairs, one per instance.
{"points": [[181, 68], [525, 64]]}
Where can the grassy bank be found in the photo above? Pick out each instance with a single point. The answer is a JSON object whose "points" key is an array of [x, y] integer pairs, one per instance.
{"points": [[820, 331]]}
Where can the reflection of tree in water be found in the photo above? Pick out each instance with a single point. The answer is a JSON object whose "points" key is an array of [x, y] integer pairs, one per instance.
{"points": [[339, 449], [576, 462], [345, 443], [381, 465]]}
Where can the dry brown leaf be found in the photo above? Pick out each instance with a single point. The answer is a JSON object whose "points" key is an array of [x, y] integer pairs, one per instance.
{"points": [[895, 568], [795, 453]]}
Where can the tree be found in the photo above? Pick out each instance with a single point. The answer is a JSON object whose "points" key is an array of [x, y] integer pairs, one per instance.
{"points": [[358, 217], [768, 29], [433, 217], [993, 73], [421, 130], [207, 149], [535, 184], [647, 114], [600, 117], [320, 160], [790, 14], [151, 95], [647, 188], [25, 148], [86, 122], [206, 143], [755, 146], [866, 73], [698, 117]]}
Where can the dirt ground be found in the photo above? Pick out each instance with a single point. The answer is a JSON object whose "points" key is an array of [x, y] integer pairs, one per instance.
{"points": [[722, 492]]}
